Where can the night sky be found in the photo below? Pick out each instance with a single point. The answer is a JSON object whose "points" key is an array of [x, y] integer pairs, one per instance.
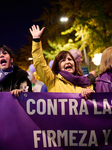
{"points": [[16, 17]]}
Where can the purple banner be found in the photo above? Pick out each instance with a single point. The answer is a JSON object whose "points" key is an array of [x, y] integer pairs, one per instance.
{"points": [[55, 121]]}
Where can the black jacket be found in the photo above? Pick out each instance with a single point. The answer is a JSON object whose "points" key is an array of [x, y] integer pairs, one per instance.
{"points": [[13, 80]]}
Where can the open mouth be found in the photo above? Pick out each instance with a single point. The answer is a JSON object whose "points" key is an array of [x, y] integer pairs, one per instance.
{"points": [[3, 61], [67, 67]]}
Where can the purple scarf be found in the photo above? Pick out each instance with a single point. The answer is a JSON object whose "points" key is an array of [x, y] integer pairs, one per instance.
{"points": [[82, 81], [4, 73]]}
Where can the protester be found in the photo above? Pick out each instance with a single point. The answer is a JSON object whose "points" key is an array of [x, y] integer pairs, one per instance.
{"points": [[104, 80], [78, 57], [12, 78], [36, 84], [65, 74]]}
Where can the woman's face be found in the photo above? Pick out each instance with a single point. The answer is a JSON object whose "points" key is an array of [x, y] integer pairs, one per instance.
{"points": [[5, 60], [67, 64]]}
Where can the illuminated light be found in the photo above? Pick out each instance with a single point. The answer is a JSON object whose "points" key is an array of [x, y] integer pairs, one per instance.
{"points": [[96, 59], [63, 19], [30, 58]]}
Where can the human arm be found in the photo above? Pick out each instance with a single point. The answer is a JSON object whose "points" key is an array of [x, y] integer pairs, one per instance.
{"points": [[43, 70]]}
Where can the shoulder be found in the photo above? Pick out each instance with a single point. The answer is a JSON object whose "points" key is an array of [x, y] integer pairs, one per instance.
{"points": [[20, 72], [103, 77]]}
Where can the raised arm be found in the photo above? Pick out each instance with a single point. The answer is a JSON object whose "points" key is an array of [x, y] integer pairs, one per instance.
{"points": [[36, 32], [43, 70]]}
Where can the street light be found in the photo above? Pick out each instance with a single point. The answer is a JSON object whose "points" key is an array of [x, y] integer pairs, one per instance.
{"points": [[30, 58], [96, 59], [63, 19]]}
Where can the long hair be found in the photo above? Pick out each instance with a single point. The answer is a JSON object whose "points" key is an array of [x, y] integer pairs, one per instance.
{"points": [[62, 55], [106, 60]]}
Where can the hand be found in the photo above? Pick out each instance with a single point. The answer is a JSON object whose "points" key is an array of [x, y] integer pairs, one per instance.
{"points": [[36, 32], [93, 73], [86, 93], [16, 92]]}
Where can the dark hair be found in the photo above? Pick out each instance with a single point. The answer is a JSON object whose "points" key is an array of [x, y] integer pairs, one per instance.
{"points": [[4, 47], [62, 55]]}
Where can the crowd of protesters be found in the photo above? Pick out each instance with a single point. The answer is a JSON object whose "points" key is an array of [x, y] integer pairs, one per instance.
{"points": [[65, 74]]}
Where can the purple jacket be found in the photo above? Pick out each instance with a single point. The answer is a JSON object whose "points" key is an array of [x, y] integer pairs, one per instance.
{"points": [[104, 82]]}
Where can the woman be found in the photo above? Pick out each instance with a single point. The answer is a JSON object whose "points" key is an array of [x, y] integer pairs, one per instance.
{"points": [[64, 76], [104, 80], [12, 78]]}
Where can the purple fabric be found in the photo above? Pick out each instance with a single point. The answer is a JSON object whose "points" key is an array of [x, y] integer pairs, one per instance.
{"points": [[16, 127], [82, 81], [44, 88], [84, 123], [110, 73], [104, 82], [4, 73]]}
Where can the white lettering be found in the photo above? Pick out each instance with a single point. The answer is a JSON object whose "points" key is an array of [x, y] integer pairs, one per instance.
{"points": [[62, 105], [28, 106], [96, 112], [36, 138], [106, 136], [73, 107], [44, 138], [62, 135], [106, 107], [93, 139], [41, 107], [71, 132], [51, 137], [51, 107], [83, 107], [83, 138]]}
